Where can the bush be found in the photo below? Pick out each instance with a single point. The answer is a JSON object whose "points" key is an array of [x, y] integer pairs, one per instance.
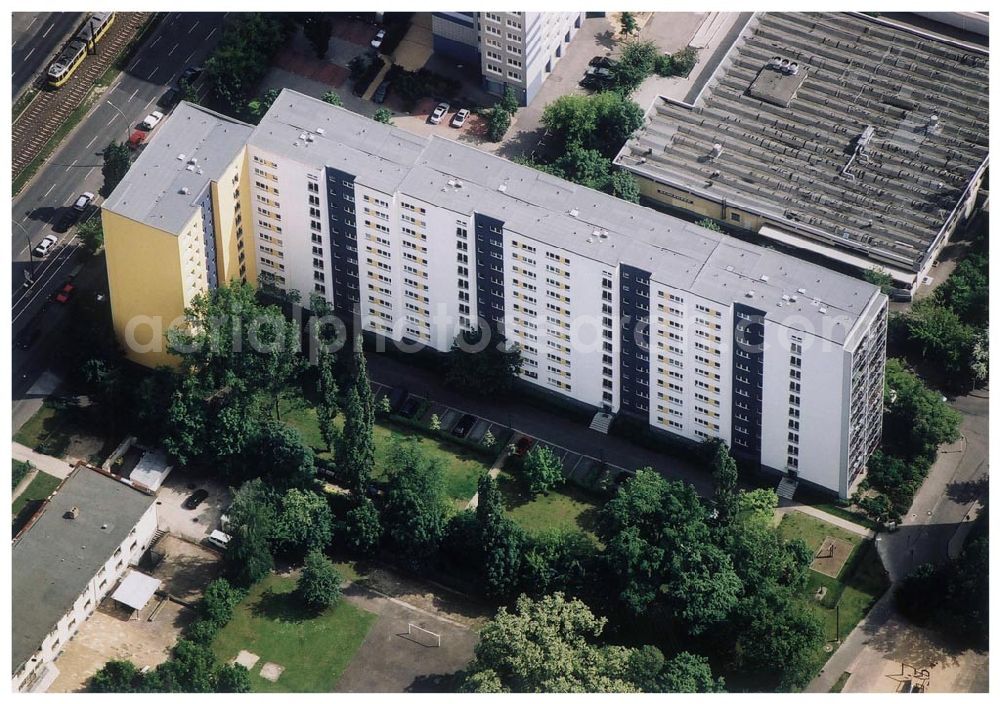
{"points": [[218, 602], [411, 86], [364, 69], [319, 583], [683, 61], [664, 65], [497, 124], [542, 470], [202, 631]]}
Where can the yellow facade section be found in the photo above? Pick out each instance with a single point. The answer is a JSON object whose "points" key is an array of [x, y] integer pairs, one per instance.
{"points": [[230, 208], [683, 200], [152, 276]]}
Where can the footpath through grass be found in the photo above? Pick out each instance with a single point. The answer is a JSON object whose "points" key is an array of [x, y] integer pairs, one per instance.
{"points": [[314, 649]]}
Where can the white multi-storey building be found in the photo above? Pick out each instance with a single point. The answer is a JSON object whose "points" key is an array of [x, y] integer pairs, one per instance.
{"points": [[613, 305], [516, 49]]}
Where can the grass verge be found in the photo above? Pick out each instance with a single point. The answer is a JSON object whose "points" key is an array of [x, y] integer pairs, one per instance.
{"points": [[314, 649], [37, 491], [19, 472], [838, 686], [52, 428]]}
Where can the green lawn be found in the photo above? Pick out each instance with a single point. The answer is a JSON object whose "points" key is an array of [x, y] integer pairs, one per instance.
{"points": [[40, 487], [313, 649], [20, 471], [462, 467], [862, 580], [50, 430], [565, 508]]}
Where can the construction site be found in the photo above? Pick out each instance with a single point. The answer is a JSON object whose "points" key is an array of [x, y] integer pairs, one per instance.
{"points": [[845, 137]]}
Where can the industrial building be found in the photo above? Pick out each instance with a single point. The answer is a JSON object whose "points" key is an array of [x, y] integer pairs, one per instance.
{"points": [[614, 305], [853, 138]]}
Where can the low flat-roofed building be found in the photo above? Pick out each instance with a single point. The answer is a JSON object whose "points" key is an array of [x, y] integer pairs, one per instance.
{"points": [[859, 139], [82, 541]]}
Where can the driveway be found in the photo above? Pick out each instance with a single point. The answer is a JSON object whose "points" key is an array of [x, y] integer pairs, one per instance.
{"points": [[192, 524]]}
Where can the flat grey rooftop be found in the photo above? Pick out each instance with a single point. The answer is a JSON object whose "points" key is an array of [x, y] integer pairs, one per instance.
{"points": [[56, 557], [190, 149], [788, 161], [583, 221]]}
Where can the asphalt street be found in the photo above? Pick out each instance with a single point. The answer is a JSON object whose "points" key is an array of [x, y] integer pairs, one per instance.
{"points": [[36, 36], [181, 39]]}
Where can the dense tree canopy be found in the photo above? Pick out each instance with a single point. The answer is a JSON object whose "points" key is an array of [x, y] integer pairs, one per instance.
{"points": [[485, 366], [415, 506]]}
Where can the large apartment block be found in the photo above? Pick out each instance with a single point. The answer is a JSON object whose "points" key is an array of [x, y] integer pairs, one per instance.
{"points": [[516, 49], [613, 305]]}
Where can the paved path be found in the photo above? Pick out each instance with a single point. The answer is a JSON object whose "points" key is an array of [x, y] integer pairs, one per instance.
{"points": [[50, 465], [494, 470]]}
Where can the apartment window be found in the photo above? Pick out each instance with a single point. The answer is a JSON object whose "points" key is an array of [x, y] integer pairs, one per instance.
{"points": [[514, 62]]}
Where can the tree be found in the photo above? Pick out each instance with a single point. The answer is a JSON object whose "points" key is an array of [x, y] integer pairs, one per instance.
{"points": [[248, 556], [304, 523], [219, 601], [587, 167], [258, 107], [500, 540], [117, 676], [362, 528], [243, 56], [332, 98], [91, 233], [327, 407], [916, 420], [497, 124], [625, 186], [966, 291], [191, 668], [435, 422], [356, 454], [725, 475], [383, 115], [281, 457], [415, 505], [187, 91], [317, 29], [879, 277], [319, 584], [542, 470], [573, 118], [709, 224], [489, 440], [942, 336], [233, 679], [508, 101], [117, 160], [602, 122], [688, 673], [629, 25], [559, 561], [636, 63], [549, 645], [482, 366]]}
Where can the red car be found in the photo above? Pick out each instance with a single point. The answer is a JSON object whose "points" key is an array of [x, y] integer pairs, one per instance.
{"points": [[65, 293], [523, 445]]}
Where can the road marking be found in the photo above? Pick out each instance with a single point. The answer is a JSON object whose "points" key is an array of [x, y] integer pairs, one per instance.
{"points": [[72, 165], [45, 195], [171, 52], [133, 95], [212, 32], [33, 20], [29, 54], [196, 23], [148, 104], [153, 43], [150, 77], [189, 56], [87, 175], [136, 63], [112, 120], [91, 142], [48, 30]]}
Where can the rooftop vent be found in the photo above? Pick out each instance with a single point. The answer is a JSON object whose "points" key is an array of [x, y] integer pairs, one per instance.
{"points": [[302, 136], [750, 294], [185, 190], [765, 277], [459, 184], [716, 151], [180, 157], [574, 212], [822, 309], [72, 513], [801, 290], [189, 167], [320, 130], [193, 160], [502, 188], [729, 267]]}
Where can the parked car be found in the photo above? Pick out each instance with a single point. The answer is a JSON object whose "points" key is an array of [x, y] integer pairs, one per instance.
{"points": [[381, 92], [64, 293], [151, 120], [410, 407], [193, 501], [464, 425], [523, 445], [377, 40], [396, 398], [83, 201], [460, 117], [596, 77], [602, 62], [45, 246], [137, 139], [219, 539], [190, 74], [169, 99], [439, 112], [28, 337]]}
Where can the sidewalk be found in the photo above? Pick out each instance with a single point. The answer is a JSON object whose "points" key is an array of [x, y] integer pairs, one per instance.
{"points": [[50, 465]]}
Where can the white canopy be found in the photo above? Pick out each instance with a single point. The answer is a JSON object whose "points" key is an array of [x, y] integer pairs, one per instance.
{"points": [[136, 590]]}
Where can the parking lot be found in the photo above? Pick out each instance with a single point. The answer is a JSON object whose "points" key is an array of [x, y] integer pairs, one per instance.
{"points": [[577, 468], [193, 524], [113, 633]]}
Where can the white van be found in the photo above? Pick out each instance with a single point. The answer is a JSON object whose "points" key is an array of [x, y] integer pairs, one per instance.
{"points": [[219, 539]]}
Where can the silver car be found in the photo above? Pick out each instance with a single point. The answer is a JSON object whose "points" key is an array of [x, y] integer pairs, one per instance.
{"points": [[439, 112], [460, 117]]}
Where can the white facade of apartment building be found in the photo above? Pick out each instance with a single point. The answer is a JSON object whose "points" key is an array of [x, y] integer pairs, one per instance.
{"points": [[443, 236]]}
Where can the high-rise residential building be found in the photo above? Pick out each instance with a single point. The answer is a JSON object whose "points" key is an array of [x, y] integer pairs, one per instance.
{"points": [[516, 49], [614, 306]]}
